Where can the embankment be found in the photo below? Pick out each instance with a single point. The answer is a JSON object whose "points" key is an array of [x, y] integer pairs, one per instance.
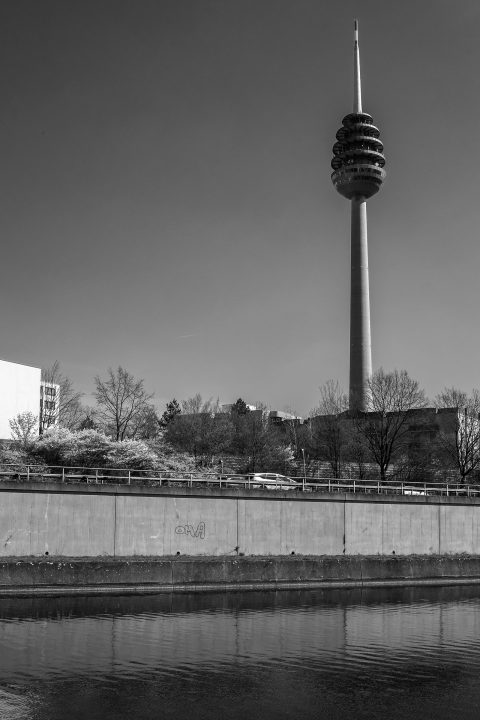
{"points": [[54, 577], [112, 538]]}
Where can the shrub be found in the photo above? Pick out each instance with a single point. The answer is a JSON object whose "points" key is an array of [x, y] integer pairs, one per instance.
{"points": [[129, 454], [88, 448], [54, 445]]}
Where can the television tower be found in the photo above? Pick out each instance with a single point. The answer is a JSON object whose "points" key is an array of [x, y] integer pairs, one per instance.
{"points": [[357, 175]]}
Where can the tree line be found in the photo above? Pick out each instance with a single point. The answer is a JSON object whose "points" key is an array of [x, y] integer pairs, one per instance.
{"points": [[402, 435]]}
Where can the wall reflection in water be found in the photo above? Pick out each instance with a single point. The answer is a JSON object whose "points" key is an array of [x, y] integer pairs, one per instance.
{"points": [[411, 652]]}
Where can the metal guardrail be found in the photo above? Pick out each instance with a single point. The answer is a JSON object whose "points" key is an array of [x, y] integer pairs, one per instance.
{"points": [[159, 478]]}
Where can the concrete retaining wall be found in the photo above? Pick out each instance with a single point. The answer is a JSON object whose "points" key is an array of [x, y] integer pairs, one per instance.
{"points": [[111, 521], [153, 575]]}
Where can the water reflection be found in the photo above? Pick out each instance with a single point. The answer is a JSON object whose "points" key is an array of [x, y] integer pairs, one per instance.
{"points": [[410, 652]]}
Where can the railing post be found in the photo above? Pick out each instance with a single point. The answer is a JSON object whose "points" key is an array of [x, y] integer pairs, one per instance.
{"points": [[354, 490], [96, 476], [28, 473], [63, 474], [129, 476]]}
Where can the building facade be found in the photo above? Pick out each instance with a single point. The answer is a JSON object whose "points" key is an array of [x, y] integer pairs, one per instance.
{"points": [[19, 392], [22, 390], [49, 405]]}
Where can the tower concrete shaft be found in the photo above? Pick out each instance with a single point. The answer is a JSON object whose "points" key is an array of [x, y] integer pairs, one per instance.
{"points": [[358, 174], [360, 334]]}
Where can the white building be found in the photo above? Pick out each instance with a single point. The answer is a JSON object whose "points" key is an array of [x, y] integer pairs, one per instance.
{"points": [[22, 390], [49, 404], [19, 392]]}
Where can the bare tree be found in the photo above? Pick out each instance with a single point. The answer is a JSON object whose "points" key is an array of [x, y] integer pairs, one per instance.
{"points": [[356, 450], [24, 428], [122, 400], [264, 446], [459, 437], [394, 397], [88, 419], [196, 405], [199, 428], [67, 408], [147, 424], [329, 427]]}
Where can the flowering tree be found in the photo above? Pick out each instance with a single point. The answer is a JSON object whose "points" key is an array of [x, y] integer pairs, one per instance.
{"points": [[131, 454], [24, 430], [54, 445], [87, 448]]}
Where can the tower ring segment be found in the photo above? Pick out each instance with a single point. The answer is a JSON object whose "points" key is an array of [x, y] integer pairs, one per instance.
{"points": [[358, 159]]}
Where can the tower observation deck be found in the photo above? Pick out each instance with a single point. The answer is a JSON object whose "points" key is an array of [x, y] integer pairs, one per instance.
{"points": [[358, 173]]}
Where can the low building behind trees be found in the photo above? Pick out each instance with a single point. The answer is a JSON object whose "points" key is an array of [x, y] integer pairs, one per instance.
{"points": [[426, 451]]}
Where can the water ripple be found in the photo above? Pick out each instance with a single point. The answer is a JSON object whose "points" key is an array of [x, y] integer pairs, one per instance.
{"points": [[310, 655]]}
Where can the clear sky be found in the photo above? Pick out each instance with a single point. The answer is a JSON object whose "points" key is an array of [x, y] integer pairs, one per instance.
{"points": [[166, 201]]}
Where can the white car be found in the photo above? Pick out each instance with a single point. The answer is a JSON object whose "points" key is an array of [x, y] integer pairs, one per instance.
{"points": [[268, 481]]}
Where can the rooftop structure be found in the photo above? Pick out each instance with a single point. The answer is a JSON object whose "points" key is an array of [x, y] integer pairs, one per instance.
{"points": [[227, 407]]}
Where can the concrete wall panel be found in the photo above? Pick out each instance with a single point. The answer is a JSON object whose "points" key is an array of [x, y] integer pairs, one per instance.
{"points": [[384, 528], [60, 524], [460, 529], [283, 527], [166, 525], [409, 529], [363, 529]]}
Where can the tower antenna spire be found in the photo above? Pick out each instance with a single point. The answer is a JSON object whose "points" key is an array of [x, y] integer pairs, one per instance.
{"points": [[357, 83]]}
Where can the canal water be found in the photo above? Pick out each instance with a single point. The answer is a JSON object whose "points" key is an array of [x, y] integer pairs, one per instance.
{"points": [[403, 653]]}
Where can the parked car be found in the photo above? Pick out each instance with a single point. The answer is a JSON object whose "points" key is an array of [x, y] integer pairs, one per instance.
{"points": [[268, 481]]}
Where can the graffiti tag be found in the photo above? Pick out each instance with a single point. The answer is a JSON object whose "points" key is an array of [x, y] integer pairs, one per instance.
{"points": [[199, 532]]}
